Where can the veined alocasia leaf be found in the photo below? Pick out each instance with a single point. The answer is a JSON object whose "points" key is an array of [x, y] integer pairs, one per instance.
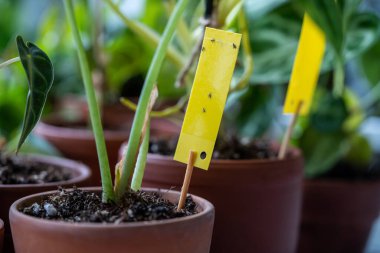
{"points": [[40, 74]]}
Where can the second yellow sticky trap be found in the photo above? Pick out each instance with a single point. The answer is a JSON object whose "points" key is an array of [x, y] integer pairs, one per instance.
{"points": [[208, 96], [306, 67]]}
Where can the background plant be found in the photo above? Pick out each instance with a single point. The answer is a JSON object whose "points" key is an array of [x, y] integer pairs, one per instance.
{"points": [[331, 133]]}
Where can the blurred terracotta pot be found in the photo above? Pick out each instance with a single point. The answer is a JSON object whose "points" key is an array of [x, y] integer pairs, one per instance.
{"points": [[258, 202], [1, 235], [191, 234], [78, 143], [337, 215], [9, 193]]}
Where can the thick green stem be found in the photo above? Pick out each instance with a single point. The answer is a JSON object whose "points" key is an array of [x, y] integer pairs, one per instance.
{"points": [[338, 87], [158, 58], [108, 193], [9, 62], [158, 114], [141, 161], [147, 34]]}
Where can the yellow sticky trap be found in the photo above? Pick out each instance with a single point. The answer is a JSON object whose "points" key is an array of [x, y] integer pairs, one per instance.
{"points": [[306, 67], [208, 96]]}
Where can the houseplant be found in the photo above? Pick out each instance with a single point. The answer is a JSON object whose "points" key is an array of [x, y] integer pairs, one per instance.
{"points": [[111, 66], [24, 175], [343, 185], [152, 235], [267, 192]]}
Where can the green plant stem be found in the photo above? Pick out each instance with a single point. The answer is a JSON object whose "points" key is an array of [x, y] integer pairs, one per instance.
{"points": [[147, 34], [338, 85], [158, 114], [158, 58], [141, 161], [108, 193], [9, 62]]}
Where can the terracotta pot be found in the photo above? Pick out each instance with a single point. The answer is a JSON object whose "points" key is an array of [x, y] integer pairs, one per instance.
{"points": [[9, 193], [191, 234], [337, 215], [1, 235], [258, 203], [79, 143]]}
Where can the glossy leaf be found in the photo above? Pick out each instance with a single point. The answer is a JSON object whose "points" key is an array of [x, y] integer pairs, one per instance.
{"points": [[360, 152], [40, 74], [322, 150], [330, 114]]}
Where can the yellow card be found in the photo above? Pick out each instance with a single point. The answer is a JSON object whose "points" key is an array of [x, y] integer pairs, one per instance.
{"points": [[208, 96], [306, 67]]}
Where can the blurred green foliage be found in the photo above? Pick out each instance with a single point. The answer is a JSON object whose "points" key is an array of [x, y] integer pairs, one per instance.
{"points": [[329, 135]]}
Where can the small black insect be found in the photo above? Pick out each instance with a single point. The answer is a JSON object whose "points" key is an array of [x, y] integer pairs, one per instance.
{"points": [[203, 49], [212, 40], [234, 45], [210, 95], [203, 110]]}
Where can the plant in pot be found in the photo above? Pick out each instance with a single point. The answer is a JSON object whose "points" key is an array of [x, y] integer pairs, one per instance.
{"points": [[343, 178], [25, 175], [117, 63], [245, 175], [158, 225]]}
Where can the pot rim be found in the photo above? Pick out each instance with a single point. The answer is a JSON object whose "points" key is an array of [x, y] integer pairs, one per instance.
{"points": [[341, 182], [207, 208], [295, 155], [48, 129], [67, 164]]}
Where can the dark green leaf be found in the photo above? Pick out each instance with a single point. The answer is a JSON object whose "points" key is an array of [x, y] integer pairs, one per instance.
{"points": [[252, 110], [360, 152], [330, 114], [369, 63], [363, 31], [39, 71], [322, 151]]}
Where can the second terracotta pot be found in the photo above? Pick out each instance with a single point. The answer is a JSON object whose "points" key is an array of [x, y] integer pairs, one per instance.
{"points": [[338, 215], [1, 235], [257, 202], [9, 193], [191, 234]]}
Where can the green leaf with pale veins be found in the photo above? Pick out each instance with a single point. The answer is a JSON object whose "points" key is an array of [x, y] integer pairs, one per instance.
{"points": [[40, 74]]}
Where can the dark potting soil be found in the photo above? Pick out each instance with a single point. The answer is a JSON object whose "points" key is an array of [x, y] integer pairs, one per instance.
{"points": [[19, 170], [347, 171], [232, 149], [83, 206]]}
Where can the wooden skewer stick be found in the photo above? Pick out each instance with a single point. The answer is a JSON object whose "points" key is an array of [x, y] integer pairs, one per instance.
{"points": [[289, 131], [186, 181]]}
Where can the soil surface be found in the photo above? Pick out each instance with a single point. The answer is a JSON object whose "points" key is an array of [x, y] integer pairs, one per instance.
{"points": [[18, 170], [84, 206], [344, 170], [231, 149]]}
